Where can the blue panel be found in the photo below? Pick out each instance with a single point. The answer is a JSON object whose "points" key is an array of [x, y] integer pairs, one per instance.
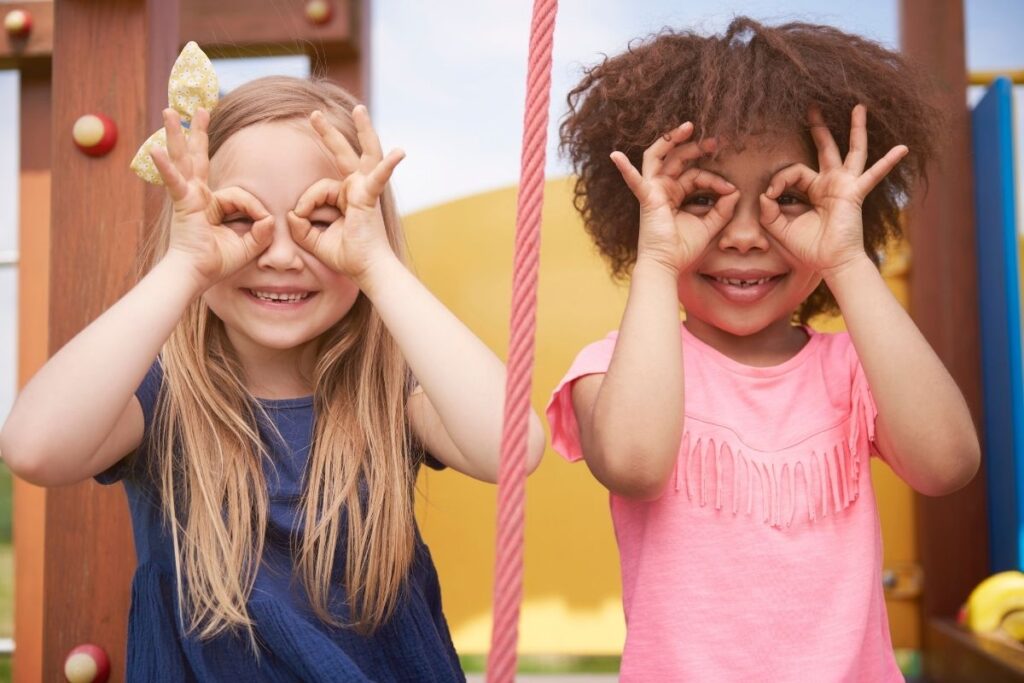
{"points": [[999, 308]]}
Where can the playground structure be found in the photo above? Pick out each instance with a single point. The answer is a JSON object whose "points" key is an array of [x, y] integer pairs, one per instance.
{"points": [[77, 254]]}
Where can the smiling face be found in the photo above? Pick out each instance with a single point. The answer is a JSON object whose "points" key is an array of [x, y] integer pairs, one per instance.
{"points": [[285, 298], [746, 283]]}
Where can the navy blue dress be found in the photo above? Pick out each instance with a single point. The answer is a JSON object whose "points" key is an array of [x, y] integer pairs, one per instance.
{"points": [[413, 645]]}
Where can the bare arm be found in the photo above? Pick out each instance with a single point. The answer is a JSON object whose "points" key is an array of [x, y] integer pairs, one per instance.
{"points": [[458, 416], [631, 419], [924, 428], [78, 415]]}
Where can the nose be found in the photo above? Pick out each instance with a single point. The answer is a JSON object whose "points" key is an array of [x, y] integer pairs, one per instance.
{"points": [[744, 231], [283, 253]]}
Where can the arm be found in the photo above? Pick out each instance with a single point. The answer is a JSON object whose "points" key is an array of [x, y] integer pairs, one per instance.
{"points": [[631, 418], [924, 428], [458, 416], [78, 415]]}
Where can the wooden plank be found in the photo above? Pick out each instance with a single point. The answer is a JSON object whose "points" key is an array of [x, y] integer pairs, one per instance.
{"points": [[348, 68], [98, 214], [227, 28], [943, 302], [38, 45], [248, 28], [33, 294], [959, 656]]}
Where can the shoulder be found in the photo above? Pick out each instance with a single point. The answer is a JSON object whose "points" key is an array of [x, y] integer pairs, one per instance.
{"points": [[835, 350]]}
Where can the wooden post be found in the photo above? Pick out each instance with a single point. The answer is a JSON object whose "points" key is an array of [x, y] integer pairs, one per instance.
{"points": [[33, 292], [944, 301], [110, 57], [74, 557]]}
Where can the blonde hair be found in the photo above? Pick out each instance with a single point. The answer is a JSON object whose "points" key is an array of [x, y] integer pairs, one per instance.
{"points": [[209, 452]]}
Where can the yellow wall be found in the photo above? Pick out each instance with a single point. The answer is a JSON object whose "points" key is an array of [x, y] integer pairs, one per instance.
{"points": [[463, 252]]}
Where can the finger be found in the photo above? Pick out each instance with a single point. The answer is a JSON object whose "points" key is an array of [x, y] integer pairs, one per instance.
{"points": [[258, 238], [303, 233], [378, 178], [177, 146], [655, 154], [177, 186], [324, 192], [797, 175], [338, 144], [634, 181], [772, 217], [828, 150], [231, 200], [881, 168], [199, 144], [722, 211], [680, 157], [367, 137], [857, 157], [703, 179]]}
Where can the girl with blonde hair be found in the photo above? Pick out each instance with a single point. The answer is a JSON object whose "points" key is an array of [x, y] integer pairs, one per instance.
{"points": [[267, 393]]}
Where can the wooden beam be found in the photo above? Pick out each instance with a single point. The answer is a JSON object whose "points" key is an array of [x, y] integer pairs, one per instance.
{"points": [[952, 531], [38, 45], [226, 28], [348, 68], [33, 294], [107, 54]]}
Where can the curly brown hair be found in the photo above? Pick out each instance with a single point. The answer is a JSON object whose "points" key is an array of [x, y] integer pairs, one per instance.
{"points": [[753, 79]]}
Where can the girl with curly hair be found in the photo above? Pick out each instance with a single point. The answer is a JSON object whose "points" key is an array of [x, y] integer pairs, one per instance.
{"points": [[753, 178]]}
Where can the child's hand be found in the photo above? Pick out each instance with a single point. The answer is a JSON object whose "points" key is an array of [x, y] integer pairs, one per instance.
{"points": [[210, 229], [668, 183], [357, 238], [830, 235]]}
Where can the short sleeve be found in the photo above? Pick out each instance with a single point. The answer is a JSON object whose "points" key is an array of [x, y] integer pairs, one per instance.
{"points": [[147, 394], [565, 433]]}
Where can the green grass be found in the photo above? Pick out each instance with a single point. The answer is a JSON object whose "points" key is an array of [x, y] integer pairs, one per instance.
{"points": [[5, 505], [548, 664]]}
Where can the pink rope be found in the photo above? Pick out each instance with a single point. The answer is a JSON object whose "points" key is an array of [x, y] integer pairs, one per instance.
{"points": [[508, 580]]}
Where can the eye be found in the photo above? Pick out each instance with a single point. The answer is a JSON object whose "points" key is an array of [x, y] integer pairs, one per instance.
{"points": [[699, 203], [238, 222], [791, 199], [323, 217]]}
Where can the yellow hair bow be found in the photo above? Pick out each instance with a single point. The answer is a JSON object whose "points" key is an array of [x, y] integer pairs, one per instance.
{"points": [[193, 84]]}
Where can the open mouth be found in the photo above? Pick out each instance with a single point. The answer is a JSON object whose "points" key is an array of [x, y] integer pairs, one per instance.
{"points": [[744, 288], [279, 297], [735, 282]]}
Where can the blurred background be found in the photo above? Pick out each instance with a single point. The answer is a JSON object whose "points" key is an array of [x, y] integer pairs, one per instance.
{"points": [[445, 81]]}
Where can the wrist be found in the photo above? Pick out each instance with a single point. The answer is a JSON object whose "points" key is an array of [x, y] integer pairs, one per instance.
{"points": [[652, 262], [379, 271], [179, 270], [848, 273]]}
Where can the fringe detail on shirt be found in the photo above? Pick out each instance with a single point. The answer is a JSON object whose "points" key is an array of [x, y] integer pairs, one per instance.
{"points": [[820, 476]]}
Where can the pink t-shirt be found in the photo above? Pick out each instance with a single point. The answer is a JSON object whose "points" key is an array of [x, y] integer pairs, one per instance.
{"points": [[762, 560]]}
